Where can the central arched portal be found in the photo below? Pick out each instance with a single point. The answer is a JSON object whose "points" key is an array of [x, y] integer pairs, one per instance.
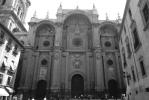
{"points": [[77, 85]]}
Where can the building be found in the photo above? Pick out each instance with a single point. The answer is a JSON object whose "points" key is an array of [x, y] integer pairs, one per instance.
{"points": [[13, 13], [12, 20], [10, 50], [134, 48], [73, 55]]}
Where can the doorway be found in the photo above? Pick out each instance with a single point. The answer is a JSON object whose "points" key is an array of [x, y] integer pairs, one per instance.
{"points": [[77, 86], [41, 89]]}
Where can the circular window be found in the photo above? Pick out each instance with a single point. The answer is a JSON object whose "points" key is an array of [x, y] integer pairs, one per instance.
{"points": [[46, 43], [110, 62], [107, 43], [77, 42], [44, 62]]}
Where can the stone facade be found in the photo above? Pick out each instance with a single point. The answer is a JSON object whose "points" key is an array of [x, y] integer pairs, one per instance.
{"points": [[75, 47], [134, 48]]}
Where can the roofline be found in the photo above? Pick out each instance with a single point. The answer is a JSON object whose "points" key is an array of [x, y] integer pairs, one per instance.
{"points": [[11, 35], [124, 15]]}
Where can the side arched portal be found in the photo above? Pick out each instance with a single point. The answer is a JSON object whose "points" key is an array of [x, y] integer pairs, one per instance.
{"points": [[41, 89], [113, 88]]}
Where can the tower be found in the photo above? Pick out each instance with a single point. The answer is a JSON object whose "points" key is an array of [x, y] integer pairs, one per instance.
{"points": [[13, 13]]}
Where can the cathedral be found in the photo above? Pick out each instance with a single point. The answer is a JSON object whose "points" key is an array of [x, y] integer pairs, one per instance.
{"points": [[71, 56], [74, 56]]}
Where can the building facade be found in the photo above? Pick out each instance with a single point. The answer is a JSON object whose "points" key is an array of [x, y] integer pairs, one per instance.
{"points": [[134, 48], [10, 50], [73, 55]]}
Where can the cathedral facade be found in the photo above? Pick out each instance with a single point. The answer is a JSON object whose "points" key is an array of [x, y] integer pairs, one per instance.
{"points": [[73, 55]]}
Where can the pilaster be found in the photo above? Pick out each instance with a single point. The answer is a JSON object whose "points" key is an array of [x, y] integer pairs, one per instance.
{"points": [[56, 69], [99, 84]]}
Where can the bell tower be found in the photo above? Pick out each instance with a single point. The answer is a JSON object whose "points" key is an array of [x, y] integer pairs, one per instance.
{"points": [[13, 13]]}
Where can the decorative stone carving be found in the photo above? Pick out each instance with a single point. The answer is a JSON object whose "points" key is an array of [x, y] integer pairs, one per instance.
{"points": [[98, 57], [77, 63], [57, 43], [56, 56], [77, 30]]}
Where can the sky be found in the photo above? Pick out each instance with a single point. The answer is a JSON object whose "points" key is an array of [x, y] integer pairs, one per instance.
{"points": [[111, 7]]}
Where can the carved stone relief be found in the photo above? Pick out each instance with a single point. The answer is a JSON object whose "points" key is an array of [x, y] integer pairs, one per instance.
{"points": [[76, 61]]}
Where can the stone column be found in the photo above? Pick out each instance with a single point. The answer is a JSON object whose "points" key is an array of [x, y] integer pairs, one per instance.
{"points": [[49, 70], [118, 70], [57, 58], [36, 71], [88, 70]]}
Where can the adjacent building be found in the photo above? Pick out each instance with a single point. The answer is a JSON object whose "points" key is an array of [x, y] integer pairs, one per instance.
{"points": [[134, 49], [12, 20], [10, 51]]}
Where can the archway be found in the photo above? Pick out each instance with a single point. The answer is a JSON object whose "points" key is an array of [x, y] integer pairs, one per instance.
{"points": [[77, 85], [77, 27], [113, 88], [41, 89]]}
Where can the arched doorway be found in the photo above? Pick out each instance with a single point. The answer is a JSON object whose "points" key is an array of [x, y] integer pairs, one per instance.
{"points": [[77, 85], [113, 88], [41, 89]]}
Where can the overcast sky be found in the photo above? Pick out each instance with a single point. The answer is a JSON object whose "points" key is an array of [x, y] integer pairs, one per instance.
{"points": [[111, 7]]}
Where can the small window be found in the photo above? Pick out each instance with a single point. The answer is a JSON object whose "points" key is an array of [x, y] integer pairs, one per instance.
{"points": [[1, 78], [107, 43], [8, 80], [110, 62], [15, 52], [8, 46], [145, 12], [136, 38], [142, 68], [1, 34], [19, 10], [130, 14], [15, 30], [46, 43], [124, 58], [3, 68], [128, 47], [44, 62], [1, 37], [133, 74], [128, 50]]}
